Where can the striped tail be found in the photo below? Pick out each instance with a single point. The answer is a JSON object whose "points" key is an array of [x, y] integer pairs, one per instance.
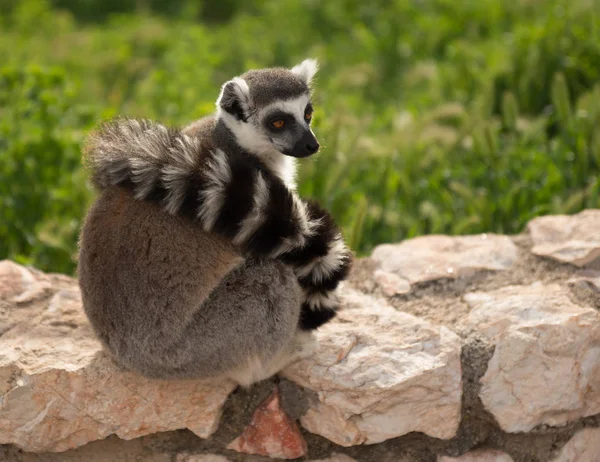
{"points": [[228, 194]]}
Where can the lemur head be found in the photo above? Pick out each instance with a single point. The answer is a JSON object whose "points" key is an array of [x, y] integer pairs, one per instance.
{"points": [[269, 111]]}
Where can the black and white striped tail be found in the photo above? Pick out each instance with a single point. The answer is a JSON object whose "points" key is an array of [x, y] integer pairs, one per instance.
{"points": [[227, 194]]}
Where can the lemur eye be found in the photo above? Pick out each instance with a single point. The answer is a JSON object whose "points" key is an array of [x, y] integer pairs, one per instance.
{"points": [[278, 124], [308, 116]]}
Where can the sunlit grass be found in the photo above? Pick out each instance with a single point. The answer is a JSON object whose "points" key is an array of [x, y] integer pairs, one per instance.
{"points": [[435, 116]]}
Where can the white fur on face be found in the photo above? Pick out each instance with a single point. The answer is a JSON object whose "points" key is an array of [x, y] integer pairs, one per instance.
{"points": [[294, 106], [252, 137], [285, 166]]}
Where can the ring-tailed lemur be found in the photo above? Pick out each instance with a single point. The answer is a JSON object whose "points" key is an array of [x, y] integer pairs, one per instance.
{"points": [[199, 258]]}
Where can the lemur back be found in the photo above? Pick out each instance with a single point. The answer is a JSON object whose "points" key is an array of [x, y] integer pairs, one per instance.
{"points": [[170, 301], [199, 258], [154, 266]]}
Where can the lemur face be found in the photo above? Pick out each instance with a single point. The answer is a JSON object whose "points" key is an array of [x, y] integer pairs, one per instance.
{"points": [[269, 111], [287, 125]]}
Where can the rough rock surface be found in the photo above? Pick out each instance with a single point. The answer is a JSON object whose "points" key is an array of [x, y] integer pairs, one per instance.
{"points": [[271, 433], [428, 258], [589, 279], [386, 382], [567, 238], [111, 449], [583, 447], [200, 458], [479, 455], [59, 391], [543, 341], [337, 458], [380, 373], [390, 283]]}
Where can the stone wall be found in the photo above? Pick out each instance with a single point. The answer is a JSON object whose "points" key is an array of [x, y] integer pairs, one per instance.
{"points": [[474, 348]]}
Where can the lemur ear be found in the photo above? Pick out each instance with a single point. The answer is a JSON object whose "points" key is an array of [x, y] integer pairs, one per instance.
{"points": [[235, 98], [306, 70]]}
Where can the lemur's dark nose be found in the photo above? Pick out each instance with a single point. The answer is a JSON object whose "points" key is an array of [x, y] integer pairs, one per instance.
{"points": [[312, 147]]}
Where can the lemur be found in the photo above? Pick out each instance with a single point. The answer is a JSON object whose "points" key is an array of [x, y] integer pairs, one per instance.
{"points": [[198, 258]]}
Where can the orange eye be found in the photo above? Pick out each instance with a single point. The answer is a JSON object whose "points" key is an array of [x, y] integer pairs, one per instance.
{"points": [[308, 115], [278, 124]]}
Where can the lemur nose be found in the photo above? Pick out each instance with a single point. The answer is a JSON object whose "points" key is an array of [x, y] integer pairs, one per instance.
{"points": [[312, 147]]}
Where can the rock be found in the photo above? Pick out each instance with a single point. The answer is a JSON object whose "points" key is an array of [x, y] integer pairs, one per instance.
{"points": [[186, 457], [380, 373], [335, 457], [19, 285], [391, 284], [111, 449], [586, 287], [59, 391], [587, 279], [570, 239], [546, 364], [583, 447], [271, 433], [479, 455], [429, 258]]}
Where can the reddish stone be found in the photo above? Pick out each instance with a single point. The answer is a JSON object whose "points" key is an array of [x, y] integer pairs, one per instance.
{"points": [[271, 433]]}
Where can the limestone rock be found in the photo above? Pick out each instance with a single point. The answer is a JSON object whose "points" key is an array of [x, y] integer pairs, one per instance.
{"points": [[335, 457], [585, 286], [571, 239], [19, 284], [271, 433], [587, 279], [111, 449], [390, 283], [546, 364], [429, 258], [380, 373], [59, 391], [479, 455], [583, 447], [186, 457]]}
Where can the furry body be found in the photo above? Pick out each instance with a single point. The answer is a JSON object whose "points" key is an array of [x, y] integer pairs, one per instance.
{"points": [[199, 259]]}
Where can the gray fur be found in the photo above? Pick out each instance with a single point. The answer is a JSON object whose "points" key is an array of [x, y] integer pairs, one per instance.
{"points": [[248, 104], [145, 152], [170, 301], [270, 85], [170, 298]]}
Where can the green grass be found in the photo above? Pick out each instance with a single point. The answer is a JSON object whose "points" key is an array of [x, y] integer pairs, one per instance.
{"points": [[436, 116]]}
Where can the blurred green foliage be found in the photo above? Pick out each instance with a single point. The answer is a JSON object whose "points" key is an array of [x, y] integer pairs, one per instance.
{"points": [[436, 116]]}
